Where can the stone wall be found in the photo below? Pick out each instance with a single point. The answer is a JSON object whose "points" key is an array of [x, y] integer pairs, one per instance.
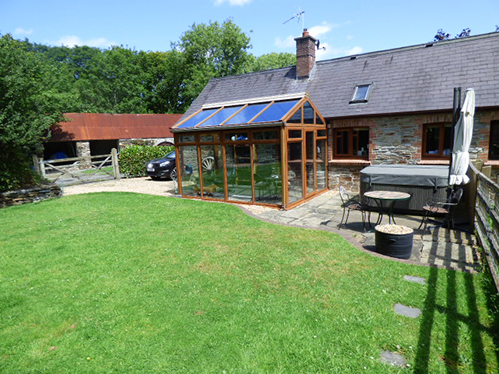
{"points": [[344, 175], [399, 140], [31, 195]]}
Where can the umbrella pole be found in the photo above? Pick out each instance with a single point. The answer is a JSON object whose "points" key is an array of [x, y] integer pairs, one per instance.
{"points": [[456, 109]]}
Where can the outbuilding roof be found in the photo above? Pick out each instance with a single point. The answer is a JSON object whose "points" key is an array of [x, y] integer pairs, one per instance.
{"points": [[103, 126], [419, 78]]}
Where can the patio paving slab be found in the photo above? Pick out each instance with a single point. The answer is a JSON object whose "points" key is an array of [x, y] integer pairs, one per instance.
{"points": [[436, 246]]}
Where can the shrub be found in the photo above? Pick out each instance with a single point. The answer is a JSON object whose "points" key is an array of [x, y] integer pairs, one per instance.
{"points": [[133, 159]]}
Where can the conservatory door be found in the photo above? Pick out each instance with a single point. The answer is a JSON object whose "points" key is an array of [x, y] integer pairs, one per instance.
{"points": [[310, 162]]}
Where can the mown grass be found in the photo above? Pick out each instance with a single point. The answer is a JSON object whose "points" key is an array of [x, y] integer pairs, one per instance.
{"points": [[129, 283]]}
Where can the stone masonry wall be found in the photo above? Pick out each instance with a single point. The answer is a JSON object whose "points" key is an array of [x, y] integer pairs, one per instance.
{"points": [[399, 140], [31, 195]]}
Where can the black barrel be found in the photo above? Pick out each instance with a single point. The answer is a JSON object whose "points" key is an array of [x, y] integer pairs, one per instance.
{"points": [[394, 245]]}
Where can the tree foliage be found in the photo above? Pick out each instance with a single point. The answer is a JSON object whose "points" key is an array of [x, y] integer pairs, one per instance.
{"points": [[270, 61], [39, 82], [29, 107], [442, 35], [210, 51]]}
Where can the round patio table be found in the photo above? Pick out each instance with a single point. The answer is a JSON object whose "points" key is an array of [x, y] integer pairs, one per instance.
{"points": [[390, 197]]}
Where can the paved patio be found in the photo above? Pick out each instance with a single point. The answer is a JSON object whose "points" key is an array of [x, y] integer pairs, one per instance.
{"points": [[452, 249]]}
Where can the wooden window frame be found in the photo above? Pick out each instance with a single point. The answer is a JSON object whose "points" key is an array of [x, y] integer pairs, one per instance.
{"points": [[440, 155], [349, 155]]}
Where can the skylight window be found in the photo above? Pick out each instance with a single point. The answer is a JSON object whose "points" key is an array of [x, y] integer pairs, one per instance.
{"points": [[361, 93]]}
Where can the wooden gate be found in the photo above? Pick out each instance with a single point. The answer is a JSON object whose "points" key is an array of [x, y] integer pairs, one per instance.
{"points": [[76, 170]]}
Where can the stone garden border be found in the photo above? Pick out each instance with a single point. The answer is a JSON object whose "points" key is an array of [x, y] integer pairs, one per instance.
{"points": [[29, 195]]}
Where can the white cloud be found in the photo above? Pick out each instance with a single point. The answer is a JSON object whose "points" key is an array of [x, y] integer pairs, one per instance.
{"points": [[233, 2], [72, 40], [322, 29], [354, 51], [21, 31], [289, 42], [338, 52]]}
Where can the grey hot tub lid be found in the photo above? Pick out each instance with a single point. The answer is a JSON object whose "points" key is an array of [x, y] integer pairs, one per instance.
{"points": [[406, 175]]}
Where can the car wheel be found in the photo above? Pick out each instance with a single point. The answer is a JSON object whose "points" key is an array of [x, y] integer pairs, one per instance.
{"points": [[173, 174]]}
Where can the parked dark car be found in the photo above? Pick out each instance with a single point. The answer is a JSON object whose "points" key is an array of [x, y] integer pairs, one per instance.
{"points": [[162, 168]]}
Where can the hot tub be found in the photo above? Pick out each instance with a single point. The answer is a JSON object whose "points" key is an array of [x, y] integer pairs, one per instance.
{"points": [[423, 182]]}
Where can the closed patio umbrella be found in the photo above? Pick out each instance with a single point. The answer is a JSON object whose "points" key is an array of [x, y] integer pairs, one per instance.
{"points": [[463, 132]]}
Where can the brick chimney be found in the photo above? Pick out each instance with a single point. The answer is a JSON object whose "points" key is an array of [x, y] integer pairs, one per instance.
{"points": [[305, 54]]}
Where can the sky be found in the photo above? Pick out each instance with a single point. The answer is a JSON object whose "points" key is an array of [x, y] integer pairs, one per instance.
{"points": [[343, 27]]}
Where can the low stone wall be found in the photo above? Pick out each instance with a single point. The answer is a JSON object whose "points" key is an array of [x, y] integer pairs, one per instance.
{"points": [[31, 195], [346, 176]]}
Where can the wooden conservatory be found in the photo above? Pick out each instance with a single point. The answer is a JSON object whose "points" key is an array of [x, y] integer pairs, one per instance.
{"points": [[268, 151]]}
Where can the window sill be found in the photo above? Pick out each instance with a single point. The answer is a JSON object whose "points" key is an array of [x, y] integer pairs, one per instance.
{"points": [[350, 161], [434, 162], [492, 163]]}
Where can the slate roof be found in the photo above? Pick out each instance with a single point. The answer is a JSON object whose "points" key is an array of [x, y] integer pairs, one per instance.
{"points": [[419, 78]]}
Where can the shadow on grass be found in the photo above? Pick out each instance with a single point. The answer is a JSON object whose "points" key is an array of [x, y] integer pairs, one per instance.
{"points": [[454, 319]]}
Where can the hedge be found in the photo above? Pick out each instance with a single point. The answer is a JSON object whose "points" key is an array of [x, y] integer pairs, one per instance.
{"points": [[133, 159]]}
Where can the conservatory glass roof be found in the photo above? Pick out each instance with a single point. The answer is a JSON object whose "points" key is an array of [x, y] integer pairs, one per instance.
{"points": [[238, 114]]}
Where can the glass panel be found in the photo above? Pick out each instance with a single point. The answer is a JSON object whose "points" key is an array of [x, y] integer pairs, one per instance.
{"points": [[361, 142], [220, 117], [276, 111], [432, 140], [208, 138], [239, 172], [318, 120], [295, 184], [361, 93], [245, 115], [266, 135], [494, 140], [267, 176], [236, 136], [321, 164], [197, 118], [212, 171], [310, 164], [341, 142], [294, 134], [189, 170], [447, 140], [296, 118], [308, 113], [187, 139], [321, 133]]}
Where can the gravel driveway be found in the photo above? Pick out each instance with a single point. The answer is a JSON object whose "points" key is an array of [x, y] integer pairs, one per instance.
{"points": [[143, 185]]}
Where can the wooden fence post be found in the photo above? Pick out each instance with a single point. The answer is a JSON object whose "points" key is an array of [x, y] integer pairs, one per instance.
{"points": [[116, 166], [36, 164], [42, 167]]}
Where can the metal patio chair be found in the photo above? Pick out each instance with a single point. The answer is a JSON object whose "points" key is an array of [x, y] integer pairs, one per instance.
{"points": [[350, 204], [442, 207]]}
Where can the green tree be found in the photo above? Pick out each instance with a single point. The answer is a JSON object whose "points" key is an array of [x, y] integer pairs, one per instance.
{"points": [[27, 111], [270, 61], [164, 75], [209, 51]]}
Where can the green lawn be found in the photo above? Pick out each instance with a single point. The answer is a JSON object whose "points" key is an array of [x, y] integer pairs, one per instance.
{"points": [[129, 283]]}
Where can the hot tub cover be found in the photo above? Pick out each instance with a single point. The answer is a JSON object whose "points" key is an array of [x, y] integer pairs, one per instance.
{"points": [[406, 175]]}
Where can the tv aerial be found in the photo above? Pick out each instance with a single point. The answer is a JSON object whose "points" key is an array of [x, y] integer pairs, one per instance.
{"points": [[299, 16]]}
